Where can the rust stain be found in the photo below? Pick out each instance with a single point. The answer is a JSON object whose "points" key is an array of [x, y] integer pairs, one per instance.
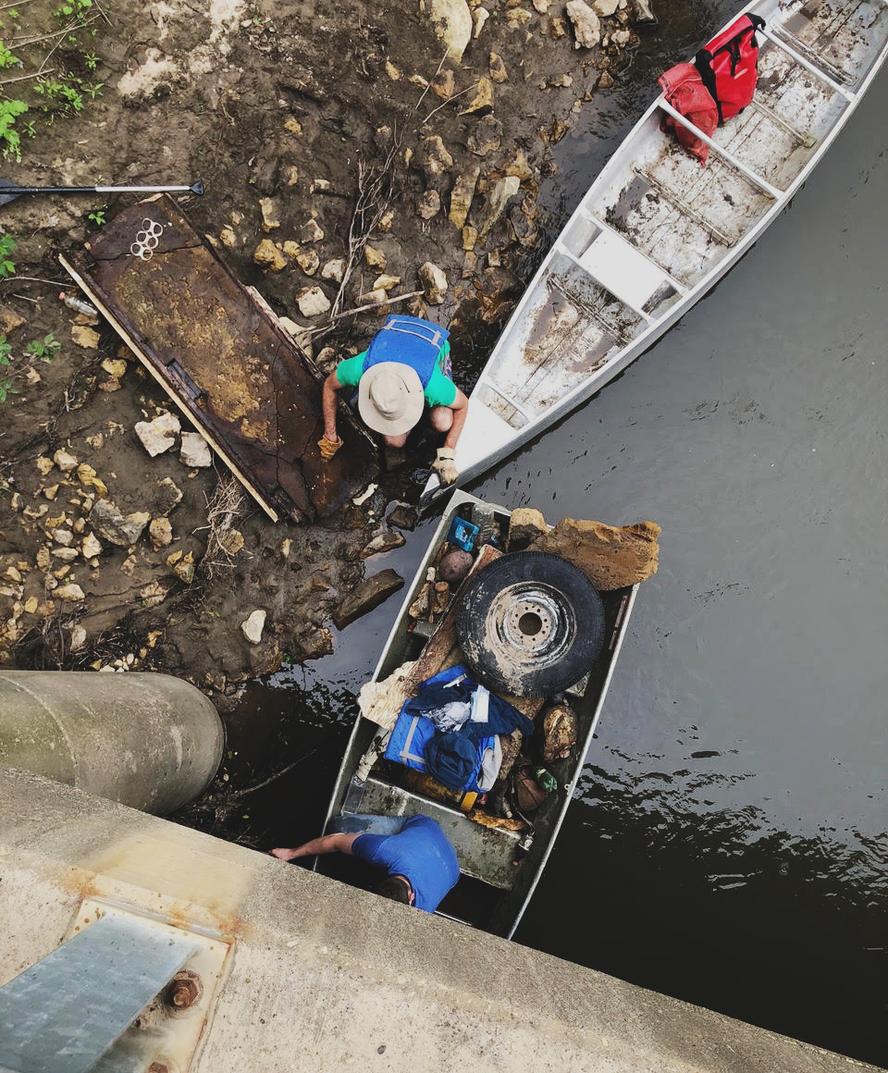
{"points": [[223, 357]]}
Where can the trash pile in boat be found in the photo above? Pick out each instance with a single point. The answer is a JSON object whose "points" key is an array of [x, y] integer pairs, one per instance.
{"points": [[507, 628]]}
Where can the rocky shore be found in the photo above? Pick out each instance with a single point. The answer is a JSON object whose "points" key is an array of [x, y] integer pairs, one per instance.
{"points": [[355, 159]]}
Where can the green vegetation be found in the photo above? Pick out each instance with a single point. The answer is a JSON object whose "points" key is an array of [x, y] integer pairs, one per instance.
{"points": [[97, 218], [57, 66], [7, 249], [44, 349]]}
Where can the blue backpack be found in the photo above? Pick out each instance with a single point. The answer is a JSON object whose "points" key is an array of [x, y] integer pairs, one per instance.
{"points": [[411, 341]]}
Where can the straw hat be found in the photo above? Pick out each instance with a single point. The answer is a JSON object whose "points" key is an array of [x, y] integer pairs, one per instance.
{"points": [[390, 398]]}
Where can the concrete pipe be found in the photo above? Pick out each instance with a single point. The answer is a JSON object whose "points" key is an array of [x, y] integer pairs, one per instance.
{"points": [[150, 741]]}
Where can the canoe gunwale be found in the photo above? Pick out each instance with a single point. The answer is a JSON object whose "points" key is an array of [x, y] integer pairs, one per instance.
{"points": [[688, 295]]}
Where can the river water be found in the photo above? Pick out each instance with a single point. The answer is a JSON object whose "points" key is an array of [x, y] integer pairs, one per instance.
{"points": [[728, 840]]}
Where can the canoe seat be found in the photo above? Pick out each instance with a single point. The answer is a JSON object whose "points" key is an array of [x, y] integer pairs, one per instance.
{"points": [[623, 270]]}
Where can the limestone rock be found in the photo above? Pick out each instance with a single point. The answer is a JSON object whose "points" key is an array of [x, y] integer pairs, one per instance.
{"points": [[160, 533], [374, 257], [452, 22], [385, 283], [312, 302], [9, 320], [271, 213], [480, 15], [65, 555], [116, 528], [88, 478], [587, 28], [227, 237], [487, 136], [482, 103], [496, 68], [520, 167], [44, 464], [160, 434], [429, 204], [367, 596], [384, 539], [61, 536], [605, 8], [253, 626], [461, 196], [311, 231], [392, 71], [612, 557], [184, 568], [90, 546], [267, 255], [195, 451], [525, 526], [497, 199], [114, 367], [64, 460], [70, 592], [291, 175], [434, 283], [308, 261], [85, 336], [643, 15], [164, 497], [78, 637], [469, 238], [444, 84], [293, 125], [334, 270], [541, 6], [434, 158]]}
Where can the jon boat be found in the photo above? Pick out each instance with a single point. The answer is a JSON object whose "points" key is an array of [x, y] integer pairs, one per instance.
{"points": [[655, 231], [499, 870]]}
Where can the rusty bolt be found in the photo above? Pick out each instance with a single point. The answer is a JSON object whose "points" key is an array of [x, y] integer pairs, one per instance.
{"points": [[184, 990]]}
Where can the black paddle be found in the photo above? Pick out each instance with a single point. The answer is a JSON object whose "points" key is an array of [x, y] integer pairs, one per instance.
{"points": [[9, 191]]}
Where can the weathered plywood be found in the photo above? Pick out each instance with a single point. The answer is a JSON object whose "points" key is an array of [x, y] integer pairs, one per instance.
{"points": [[224, 361]]}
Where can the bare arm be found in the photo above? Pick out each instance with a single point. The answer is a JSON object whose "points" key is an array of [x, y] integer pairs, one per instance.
{"points": [[331, 387], [340, 843], [460, 409]]}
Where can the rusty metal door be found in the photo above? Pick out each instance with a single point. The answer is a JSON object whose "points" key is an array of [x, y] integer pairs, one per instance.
{"points": [[223, 359]]}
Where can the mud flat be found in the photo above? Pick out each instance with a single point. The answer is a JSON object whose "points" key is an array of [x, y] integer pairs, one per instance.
{"points": [[351, 157]]}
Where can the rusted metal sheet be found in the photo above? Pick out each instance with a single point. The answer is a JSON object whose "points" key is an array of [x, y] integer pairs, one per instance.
{"points": [[222, 357]]}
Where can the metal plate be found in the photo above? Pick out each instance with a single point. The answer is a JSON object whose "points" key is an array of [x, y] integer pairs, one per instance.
{"points": [[223, 359]]}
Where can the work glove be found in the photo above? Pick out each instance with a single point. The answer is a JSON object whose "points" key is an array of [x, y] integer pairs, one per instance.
{"points": [[328, 447], [444, 466]]}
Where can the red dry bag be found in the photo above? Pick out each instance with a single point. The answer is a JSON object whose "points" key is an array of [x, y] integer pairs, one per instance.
{"points": [[728, 66], [683, 88]]}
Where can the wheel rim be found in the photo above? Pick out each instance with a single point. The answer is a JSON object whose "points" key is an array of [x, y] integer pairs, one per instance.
{"points": [[529, 626]]}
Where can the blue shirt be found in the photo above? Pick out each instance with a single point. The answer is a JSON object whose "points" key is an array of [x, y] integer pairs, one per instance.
{"points": [[421, 852]]}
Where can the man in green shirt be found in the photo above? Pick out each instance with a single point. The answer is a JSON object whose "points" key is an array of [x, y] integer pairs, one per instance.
{"points": [[405, 369]]}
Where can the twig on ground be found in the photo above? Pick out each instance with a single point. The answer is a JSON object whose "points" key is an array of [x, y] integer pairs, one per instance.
{"points": [[37, 279], [226, 504], [450, 100], [24, 78], [363, 309]]}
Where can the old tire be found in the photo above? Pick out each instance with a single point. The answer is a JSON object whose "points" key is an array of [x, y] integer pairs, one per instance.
{"points": [[531, 624]]}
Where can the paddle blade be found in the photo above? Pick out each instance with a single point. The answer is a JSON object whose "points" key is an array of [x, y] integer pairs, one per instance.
{"points": [[198, 188], [8, 191]]}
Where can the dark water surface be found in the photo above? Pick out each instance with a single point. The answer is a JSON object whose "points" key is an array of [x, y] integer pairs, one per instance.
{"points": [[728, 840]]}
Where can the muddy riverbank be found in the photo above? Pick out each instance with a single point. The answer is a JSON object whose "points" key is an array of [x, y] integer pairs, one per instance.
{"points": [[350, 157]]}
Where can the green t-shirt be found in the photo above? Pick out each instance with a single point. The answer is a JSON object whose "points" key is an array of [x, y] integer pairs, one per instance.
{"points": [[440, 390]]}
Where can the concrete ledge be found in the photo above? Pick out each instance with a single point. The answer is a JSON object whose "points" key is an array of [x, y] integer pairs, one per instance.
{"points": [[325, 977]]}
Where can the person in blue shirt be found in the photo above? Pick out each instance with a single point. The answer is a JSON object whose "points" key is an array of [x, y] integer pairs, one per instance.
{"points": [[419, 862], [405, 372]]}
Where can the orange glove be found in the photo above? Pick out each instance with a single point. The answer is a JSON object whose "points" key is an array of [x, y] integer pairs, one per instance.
{"points": [[328, 448]]}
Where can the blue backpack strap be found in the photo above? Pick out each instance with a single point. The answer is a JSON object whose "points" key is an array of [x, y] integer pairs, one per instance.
{"points": [[411, 341]]}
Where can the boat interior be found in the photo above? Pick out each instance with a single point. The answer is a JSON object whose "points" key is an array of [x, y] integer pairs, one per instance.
{"points": [[500, 860], [656, 224]]}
